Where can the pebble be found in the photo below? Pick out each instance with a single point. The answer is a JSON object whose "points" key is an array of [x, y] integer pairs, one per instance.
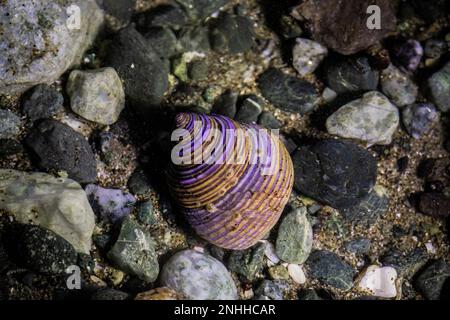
{"points": [[232, 34], [144, 74], [226, 104], [436, 205], [198, 10], [294, 240], [406, 263], [250, 109], [271, 290], [109, 295], [58, 204], [267, 120], [40, 46], [112, 205], [343, 28], [359, 246], [408, 54], [39, 249], [366, 213], [195, 39], [139, 185], [331, 270], [289, 93], [419, 118], [57, 147], [278, 272], [352, 75], [167, 16], [42, 102], [398, 86], [330, 172], [431, 280], [372, 119], [145, 213], [134, 252], [439, 85], [9, 147], [289, 28], [307, 55], [198, 277], [163, 41], [297, 274], [435, 48], [247, 263], [121, 10], [9, 124], [96, 95], [379, 281], [198, 70]]}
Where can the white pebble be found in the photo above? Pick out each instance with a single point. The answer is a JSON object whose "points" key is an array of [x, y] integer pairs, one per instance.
{"points": [[297, 274], [379, 281], [270, 253]]}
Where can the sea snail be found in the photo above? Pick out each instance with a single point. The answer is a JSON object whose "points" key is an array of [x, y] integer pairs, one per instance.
{"points": [[231, 180]]}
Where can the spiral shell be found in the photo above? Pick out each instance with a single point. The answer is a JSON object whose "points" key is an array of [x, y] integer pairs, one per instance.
{"points": [[233, 181]]}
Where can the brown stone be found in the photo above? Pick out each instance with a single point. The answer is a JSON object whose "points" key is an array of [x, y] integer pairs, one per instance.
{"points": [[434, 204], [342, 24]]}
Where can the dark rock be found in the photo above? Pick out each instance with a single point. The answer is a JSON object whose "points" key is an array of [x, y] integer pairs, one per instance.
{"points": [[308, 294], [250, 109], [271, 290], [431, 10], [39, 249], [9, 124], [120, 9], [109, 294], [287, 92], [352, 75], [42, 102], [402, 164], [226, 104], [418, 118], [406, 263], [232, 34], [166, 16], [247, 263], [9, 147], [162, 40], [408, 54], [194, 39], [439, 85], [198, 70], [57, 147], [371, 207], [139, 185], [289, 28], [358, 246], [144, 74], [102, 241], [436, 205], [342, 25], [334, 172], [268, 120], [110, 148], [431, 280], [331, 270], [201, 9], [4, 259], [145, 214], [435, 48]]}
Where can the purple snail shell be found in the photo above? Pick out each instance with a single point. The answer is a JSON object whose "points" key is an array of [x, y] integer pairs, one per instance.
{"points": [[232, 197]]}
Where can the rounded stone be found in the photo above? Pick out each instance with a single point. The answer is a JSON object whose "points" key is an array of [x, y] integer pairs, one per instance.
{"points": [[418, 118], [398, 86], [307, 55], [198, 277], [41, 102]]}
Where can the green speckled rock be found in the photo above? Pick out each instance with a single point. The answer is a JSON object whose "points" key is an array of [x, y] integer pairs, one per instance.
{"points": [[372, 119], [247, 262], [198, 277], [439, 85], [398, 86], [294, 241]]}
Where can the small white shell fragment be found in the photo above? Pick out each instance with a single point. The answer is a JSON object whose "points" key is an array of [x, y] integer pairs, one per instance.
{"points": [[199, 249], [270, 253], [379, 281], [297, 274], [430, 247]]}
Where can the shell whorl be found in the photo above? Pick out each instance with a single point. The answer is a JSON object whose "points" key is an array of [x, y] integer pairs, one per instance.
{"points": [[235, 179]]}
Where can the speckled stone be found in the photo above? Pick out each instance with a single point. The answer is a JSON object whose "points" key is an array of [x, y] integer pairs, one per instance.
{"points": [[9, 124], [358, 246], [134, 252], [232, 34], [166, 15], [41, 102], [201, 9], [331, 270], [198, 277], [406, 263], [271, 290], [226, 104], [268, 120], [408, 54], [287, 92], [398, 86], [431, 280], [439, 85], [307, 55], [295, 235], [372, 119], [419, 118], [250, 109], [163, 41], [247, 263]]}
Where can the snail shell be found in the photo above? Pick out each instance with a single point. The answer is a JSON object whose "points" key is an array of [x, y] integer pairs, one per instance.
{"points": [[234, 180]]}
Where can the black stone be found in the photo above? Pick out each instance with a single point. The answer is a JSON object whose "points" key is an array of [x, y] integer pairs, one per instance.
{"points": [[201, 9], [308, 294], [247, 263], [9, 147], [434, 204], [167, 16], [406, 263], [232, 34], [268, 120], [358, 246], [39, 249], [226, 104], [109, 294], [41, 102], [162, 41], [198, 70], [431, 280], [120, 9], [139, 185], [144, 74], [352, 75], [287, 92], [250, 109], [367, 212], [57, 147], [334, 172], [194, 39], [330, 269]]}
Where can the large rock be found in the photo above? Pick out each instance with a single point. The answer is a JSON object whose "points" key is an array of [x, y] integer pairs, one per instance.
{"points": [[398, 86], [372, 119], [57, 204], [57, 147], [342, 25], [40, 42], [334, 172]]}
